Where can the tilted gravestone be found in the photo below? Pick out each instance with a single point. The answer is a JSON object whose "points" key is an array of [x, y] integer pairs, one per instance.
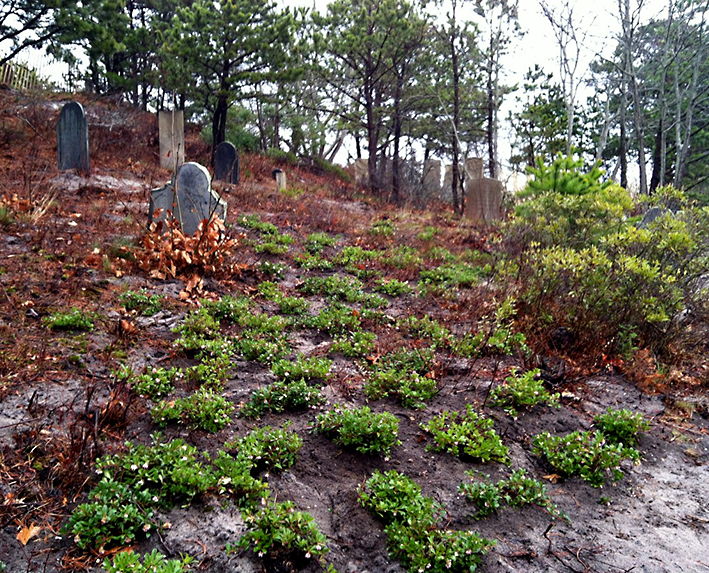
{"points": [[226, 163], [190, 200], [172, 138], [483, 202], [73, 138]]}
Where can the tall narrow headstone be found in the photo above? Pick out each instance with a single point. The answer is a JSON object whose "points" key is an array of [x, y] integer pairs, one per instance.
{"points": [[361, 170], [226, 163], [172, 138], [73, 138], [280, 176], [446, 190], [483, 200], [190, 200], [432, 177]]}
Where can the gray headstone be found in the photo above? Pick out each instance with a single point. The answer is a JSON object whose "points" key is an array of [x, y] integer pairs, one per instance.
{"points": [[446, 189], [432, 177], [651, 215], [172, 138], [73, 138], [226, 163], [191, 200], [483, 200]]}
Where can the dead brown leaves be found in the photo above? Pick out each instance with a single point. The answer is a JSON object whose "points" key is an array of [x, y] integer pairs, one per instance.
{"points": [[166, 252]]}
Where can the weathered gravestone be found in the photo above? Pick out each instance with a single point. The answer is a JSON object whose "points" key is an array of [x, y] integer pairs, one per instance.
{"points": [[650, 216], [280, 176], [73, 138], [361, 172], [473, 168], [191, 199], [226, 163], [432, 177], [172, 138], [483, 199]]}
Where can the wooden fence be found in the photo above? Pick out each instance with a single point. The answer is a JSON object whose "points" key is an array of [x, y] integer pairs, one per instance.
{"points": [[18, 76]]}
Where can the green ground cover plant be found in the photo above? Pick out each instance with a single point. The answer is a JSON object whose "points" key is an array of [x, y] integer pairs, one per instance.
{"points": [[141, 302], [425, 327], [621, 427], [212, 372], [282, 396], [302, 368], [279, 532], [360, 428], [204, 409], [515, 491], [229, 308], [584, 454], [522, 391], [74, 319], [336, 319], [309, 262], [121, 506], [267, 448], [413, 527], [357, 344], [407, 375], [315, 243], [402, 257], [466, 435], [155, 383], [153, 562], [392, 287]]}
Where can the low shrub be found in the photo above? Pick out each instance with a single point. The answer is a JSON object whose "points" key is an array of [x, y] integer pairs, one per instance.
{"points": [[267, 448], [413, 527], [154, 562], [522, 392], [73, 319], [280, 533], [467, 436], [584, 454], [621, 427], [360, 428], [516, 491], [204, 409], [282, 396], [141, 302]]}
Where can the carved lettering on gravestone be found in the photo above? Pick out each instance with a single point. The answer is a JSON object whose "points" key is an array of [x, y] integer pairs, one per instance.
{"points": [[73, 138], [190, 200], [483, 200], [172, 138], [473, 168], [226, 163]]}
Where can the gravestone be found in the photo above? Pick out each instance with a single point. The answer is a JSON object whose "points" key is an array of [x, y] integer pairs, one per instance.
{"points": [[73, 138], [483, 200], [473, 168], [172, 138], [446, 190], [226, 163], [191, 199], [280, 176], [650, 216], [361, 172], [432, 177]]}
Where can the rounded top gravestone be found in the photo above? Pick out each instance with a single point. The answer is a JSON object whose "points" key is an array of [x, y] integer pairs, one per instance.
{"points": [[73, 138], [226, 163]]}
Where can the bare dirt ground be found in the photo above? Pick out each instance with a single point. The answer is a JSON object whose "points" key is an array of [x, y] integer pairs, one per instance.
{"points": [[61, 408]]}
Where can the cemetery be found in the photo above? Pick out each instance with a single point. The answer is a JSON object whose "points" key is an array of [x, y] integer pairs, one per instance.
{"points": [[199, 358]]}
